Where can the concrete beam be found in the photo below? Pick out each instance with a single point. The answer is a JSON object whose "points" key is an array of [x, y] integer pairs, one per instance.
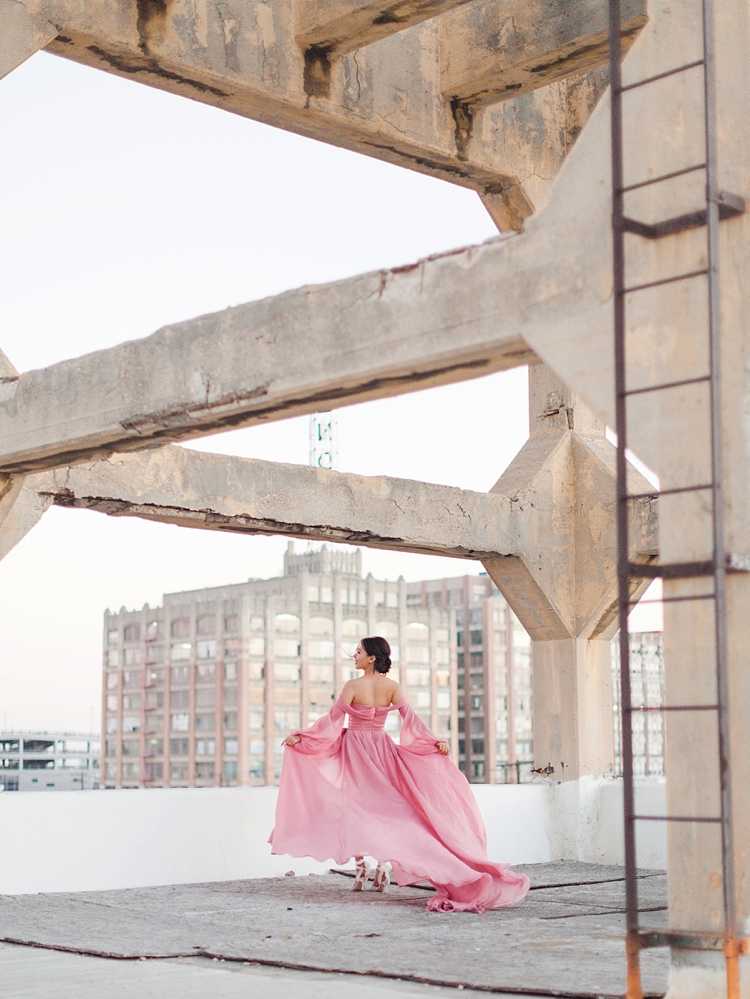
{"points": [[493, 51], [384, 100], [23, 31], [189, 488], [377, 335], [337, 27]]}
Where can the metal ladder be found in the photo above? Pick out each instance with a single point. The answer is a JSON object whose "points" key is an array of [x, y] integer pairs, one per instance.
{"points": [[719, 205]]}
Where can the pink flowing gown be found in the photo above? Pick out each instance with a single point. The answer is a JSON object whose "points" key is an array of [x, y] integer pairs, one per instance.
{"points": [[348, 792]]}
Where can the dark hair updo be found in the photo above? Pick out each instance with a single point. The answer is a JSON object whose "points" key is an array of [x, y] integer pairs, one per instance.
{"points": [[379, 648]]}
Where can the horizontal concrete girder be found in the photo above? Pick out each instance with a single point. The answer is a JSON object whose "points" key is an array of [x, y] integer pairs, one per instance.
{"points": [[377, 335], [384, 100], [492, 51], [175, 485], [341, 26]]}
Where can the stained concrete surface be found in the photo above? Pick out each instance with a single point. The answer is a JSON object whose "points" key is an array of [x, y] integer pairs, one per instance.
{"points": [[565, 939]]}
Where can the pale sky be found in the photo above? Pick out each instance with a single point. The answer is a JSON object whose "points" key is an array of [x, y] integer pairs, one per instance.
{"points": [[123, 209]]}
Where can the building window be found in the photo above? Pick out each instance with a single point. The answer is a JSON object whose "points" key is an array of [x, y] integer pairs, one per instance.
{"points": [[205, 697], [205, 722], [287, 720], [477, 747], [206, 648], [230, 721], [354, 627], [286, 672], [258, 748], [417, 653], [180, 676], [230, 769], [111, 747], [131, 702], [153, 631], [205, 747], [111, 702], [230, 747], [230, 671], [179, 698], [418, 677], [181, 627], [154, 771], [206, 625], [178, 771], [180, 652], [326, 595], [154, 654], [477, 660], [111, 771], [112, 637], [205, 673], [444, 700], [180, 723], [131, 771], [257, 646], [204, 770], [322, 649], [230, 697], [113, 657], [10, 764], [133, 633], [131, 747], [112, 681], [231, 623], [321, 626], [155, 747]]}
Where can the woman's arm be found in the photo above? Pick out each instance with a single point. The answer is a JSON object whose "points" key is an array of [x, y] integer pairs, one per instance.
{"points": [[399, 698]]}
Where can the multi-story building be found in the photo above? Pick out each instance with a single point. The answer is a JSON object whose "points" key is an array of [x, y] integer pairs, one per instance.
{"points": [[49, 761], [202, 690], [647, 691]]}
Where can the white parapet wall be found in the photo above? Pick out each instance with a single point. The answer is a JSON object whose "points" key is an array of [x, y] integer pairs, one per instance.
{"points": [[93, 840]]}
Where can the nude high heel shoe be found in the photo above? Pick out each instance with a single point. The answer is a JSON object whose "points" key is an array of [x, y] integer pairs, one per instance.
{"points": [[382, 876], [363, 872]]}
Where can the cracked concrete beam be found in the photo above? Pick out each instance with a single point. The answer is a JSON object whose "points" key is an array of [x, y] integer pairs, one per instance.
{"points": [[341, 26], [189, 488], [376, 335], [493, 51], [23, 31], [384, 100]]}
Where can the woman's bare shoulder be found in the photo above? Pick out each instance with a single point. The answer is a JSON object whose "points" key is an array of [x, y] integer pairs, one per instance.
{"points": [[395, 691]]}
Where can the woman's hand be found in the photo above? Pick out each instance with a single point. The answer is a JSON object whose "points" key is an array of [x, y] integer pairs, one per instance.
{"points": [[291, 740], [442, 747]]}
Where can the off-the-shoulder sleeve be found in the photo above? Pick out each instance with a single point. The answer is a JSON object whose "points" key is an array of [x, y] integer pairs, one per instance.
{"points": [[415, 736], [323, 734]]}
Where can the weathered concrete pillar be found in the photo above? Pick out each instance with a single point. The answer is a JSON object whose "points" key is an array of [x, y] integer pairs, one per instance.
{"points": [[564, 594], [573, 706]]}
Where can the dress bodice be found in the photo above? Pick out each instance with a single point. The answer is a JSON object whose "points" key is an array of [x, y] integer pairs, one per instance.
{"points": [[366, 719]]}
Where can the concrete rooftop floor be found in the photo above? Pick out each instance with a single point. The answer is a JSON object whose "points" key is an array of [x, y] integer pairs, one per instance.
{"points": [[315, 938]]}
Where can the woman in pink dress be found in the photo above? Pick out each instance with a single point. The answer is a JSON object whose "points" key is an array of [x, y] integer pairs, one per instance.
{"points": [[352, 792]]}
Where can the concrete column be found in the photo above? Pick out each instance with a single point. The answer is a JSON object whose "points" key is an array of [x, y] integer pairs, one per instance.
{"points": [[565, 594], [572, 690]]}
